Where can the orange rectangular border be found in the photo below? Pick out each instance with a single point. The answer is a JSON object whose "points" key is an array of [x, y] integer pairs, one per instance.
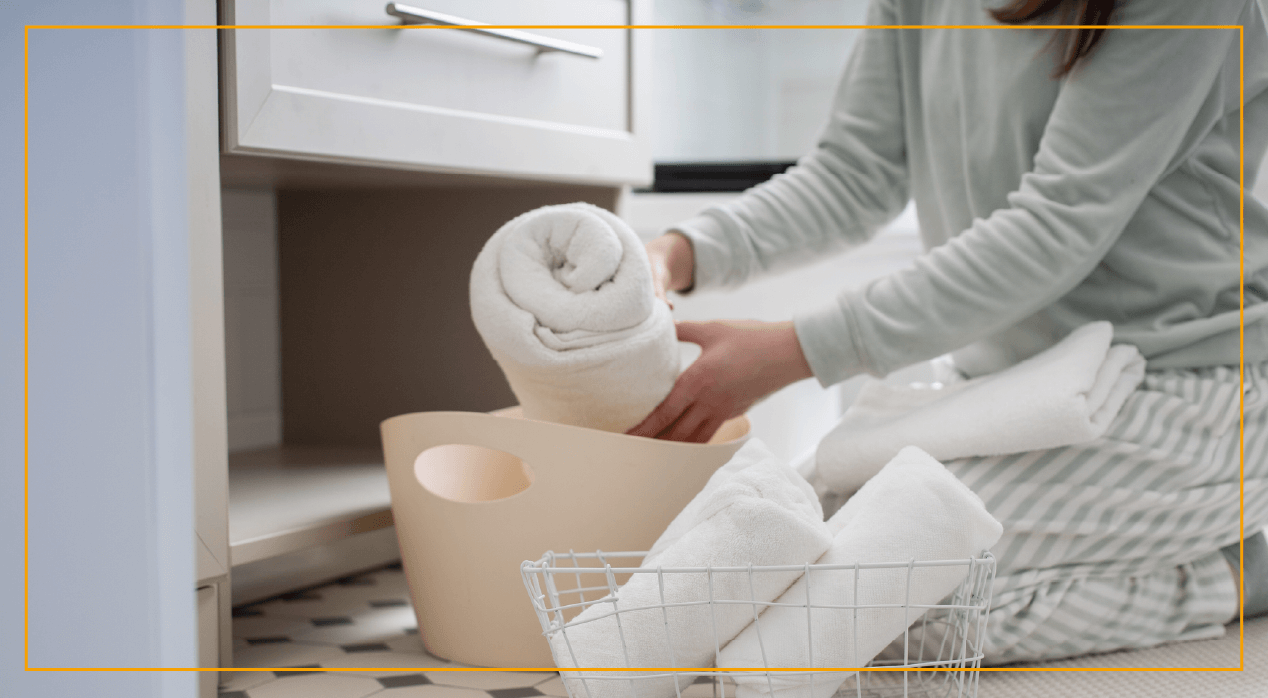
{"points": [[1242, 217]]}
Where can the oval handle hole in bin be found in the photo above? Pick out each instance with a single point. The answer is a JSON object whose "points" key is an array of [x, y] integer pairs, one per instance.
{"points": [[469, 474]]}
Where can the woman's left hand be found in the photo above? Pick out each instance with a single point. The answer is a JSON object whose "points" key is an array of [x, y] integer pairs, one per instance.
{"points": [[741, 362]]}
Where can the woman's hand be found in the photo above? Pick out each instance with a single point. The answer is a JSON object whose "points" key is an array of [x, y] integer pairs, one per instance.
{"points": [[741, 362], [673, 264]]}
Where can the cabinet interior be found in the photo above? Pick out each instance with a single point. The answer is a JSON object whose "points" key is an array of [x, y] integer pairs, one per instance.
{"points": [[345, 304]]}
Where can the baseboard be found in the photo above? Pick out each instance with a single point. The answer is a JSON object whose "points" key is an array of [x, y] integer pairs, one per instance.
{"points": [[256, 581]]}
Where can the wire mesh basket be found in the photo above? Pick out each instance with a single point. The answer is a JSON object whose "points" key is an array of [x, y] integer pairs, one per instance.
{"points": [[804, 644]]}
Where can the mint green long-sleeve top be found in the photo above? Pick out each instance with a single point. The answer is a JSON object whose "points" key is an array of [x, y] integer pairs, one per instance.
{"points": [[1044, 203]]}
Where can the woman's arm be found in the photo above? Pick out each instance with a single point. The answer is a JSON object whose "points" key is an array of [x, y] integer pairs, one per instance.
{"points": [[853, 183], [1126, 116]]}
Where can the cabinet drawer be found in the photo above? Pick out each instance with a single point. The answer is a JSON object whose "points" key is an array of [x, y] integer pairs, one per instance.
{"points": [[433, 98]]}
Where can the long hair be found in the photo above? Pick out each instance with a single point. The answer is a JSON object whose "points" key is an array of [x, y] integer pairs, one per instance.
{"points": [[1071, 45]]}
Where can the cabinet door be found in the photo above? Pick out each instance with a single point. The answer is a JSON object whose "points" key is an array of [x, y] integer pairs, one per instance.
{"points": [[435, 98]]}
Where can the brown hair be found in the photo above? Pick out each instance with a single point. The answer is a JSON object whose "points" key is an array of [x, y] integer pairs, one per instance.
{"points": [[1072, 45]]}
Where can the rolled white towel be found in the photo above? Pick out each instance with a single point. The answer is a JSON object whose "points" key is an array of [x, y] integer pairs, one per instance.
{"points": [[753, 453], [1064, 395], [563, 298], [913, 509], [762, 513]]}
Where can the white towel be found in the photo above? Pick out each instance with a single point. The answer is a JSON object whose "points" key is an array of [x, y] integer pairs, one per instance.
{"points": [[1065, 395], [563, 299], [762, 513], [913, 509], [753, 453]]}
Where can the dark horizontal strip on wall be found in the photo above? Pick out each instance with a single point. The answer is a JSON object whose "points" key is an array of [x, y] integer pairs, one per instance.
{"points": [[713, 176]]}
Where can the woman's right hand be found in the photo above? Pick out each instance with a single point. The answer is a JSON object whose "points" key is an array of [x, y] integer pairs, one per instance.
{"points": [[673, 265], [741, 362]]}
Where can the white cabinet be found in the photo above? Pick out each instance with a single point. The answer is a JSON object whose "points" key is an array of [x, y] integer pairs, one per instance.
{"points": [[344, 298], [438, 99]]}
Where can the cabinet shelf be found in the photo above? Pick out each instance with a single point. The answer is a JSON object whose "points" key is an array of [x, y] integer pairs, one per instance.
{"points": [[287, 498]]}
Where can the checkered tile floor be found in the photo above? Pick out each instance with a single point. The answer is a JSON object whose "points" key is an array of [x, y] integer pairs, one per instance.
{"points": [[367, 622], [363, 621]]}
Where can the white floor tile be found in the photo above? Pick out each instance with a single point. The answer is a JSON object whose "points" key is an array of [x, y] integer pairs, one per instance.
{"points": [[317, 686], [553, 686], [242, 680], [372, 625], [287, 655]]}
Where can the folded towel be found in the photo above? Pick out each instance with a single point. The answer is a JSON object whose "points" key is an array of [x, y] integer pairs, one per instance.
{"points": [[762, 513], [1065, 395], [913, 509], [563, 298]]}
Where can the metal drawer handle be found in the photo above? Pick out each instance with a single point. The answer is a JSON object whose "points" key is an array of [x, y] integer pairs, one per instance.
{"points": [[543, 44]]}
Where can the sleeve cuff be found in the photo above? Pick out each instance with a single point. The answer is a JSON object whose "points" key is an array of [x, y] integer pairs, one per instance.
{"points": [[711, 254], [829, 339]]}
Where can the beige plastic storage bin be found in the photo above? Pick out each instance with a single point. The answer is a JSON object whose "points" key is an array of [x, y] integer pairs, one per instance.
{"points": [[474, 495]]}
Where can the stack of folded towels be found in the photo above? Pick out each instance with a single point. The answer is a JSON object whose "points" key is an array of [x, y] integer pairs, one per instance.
{"points": [[1067, 394], [758, 511], [563, 298]]}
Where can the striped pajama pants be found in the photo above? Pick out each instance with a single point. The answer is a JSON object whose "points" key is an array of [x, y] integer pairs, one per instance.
{"points": [[1114, 543]]}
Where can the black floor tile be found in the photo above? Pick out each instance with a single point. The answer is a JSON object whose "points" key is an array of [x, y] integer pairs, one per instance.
{"points": [[233, 694], [406, 680], [301, 596], [333, 620], [526, 692], [389, 603], [284, 674], [366, 647], [272, 640], [247, 612]]}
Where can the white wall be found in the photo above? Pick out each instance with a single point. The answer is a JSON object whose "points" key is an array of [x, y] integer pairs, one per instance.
{"points": [[252, 335], [111, 564], [746, 94]]}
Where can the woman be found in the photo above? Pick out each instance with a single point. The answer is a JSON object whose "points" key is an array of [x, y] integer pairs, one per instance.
{"points": [[1060, 176]]}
